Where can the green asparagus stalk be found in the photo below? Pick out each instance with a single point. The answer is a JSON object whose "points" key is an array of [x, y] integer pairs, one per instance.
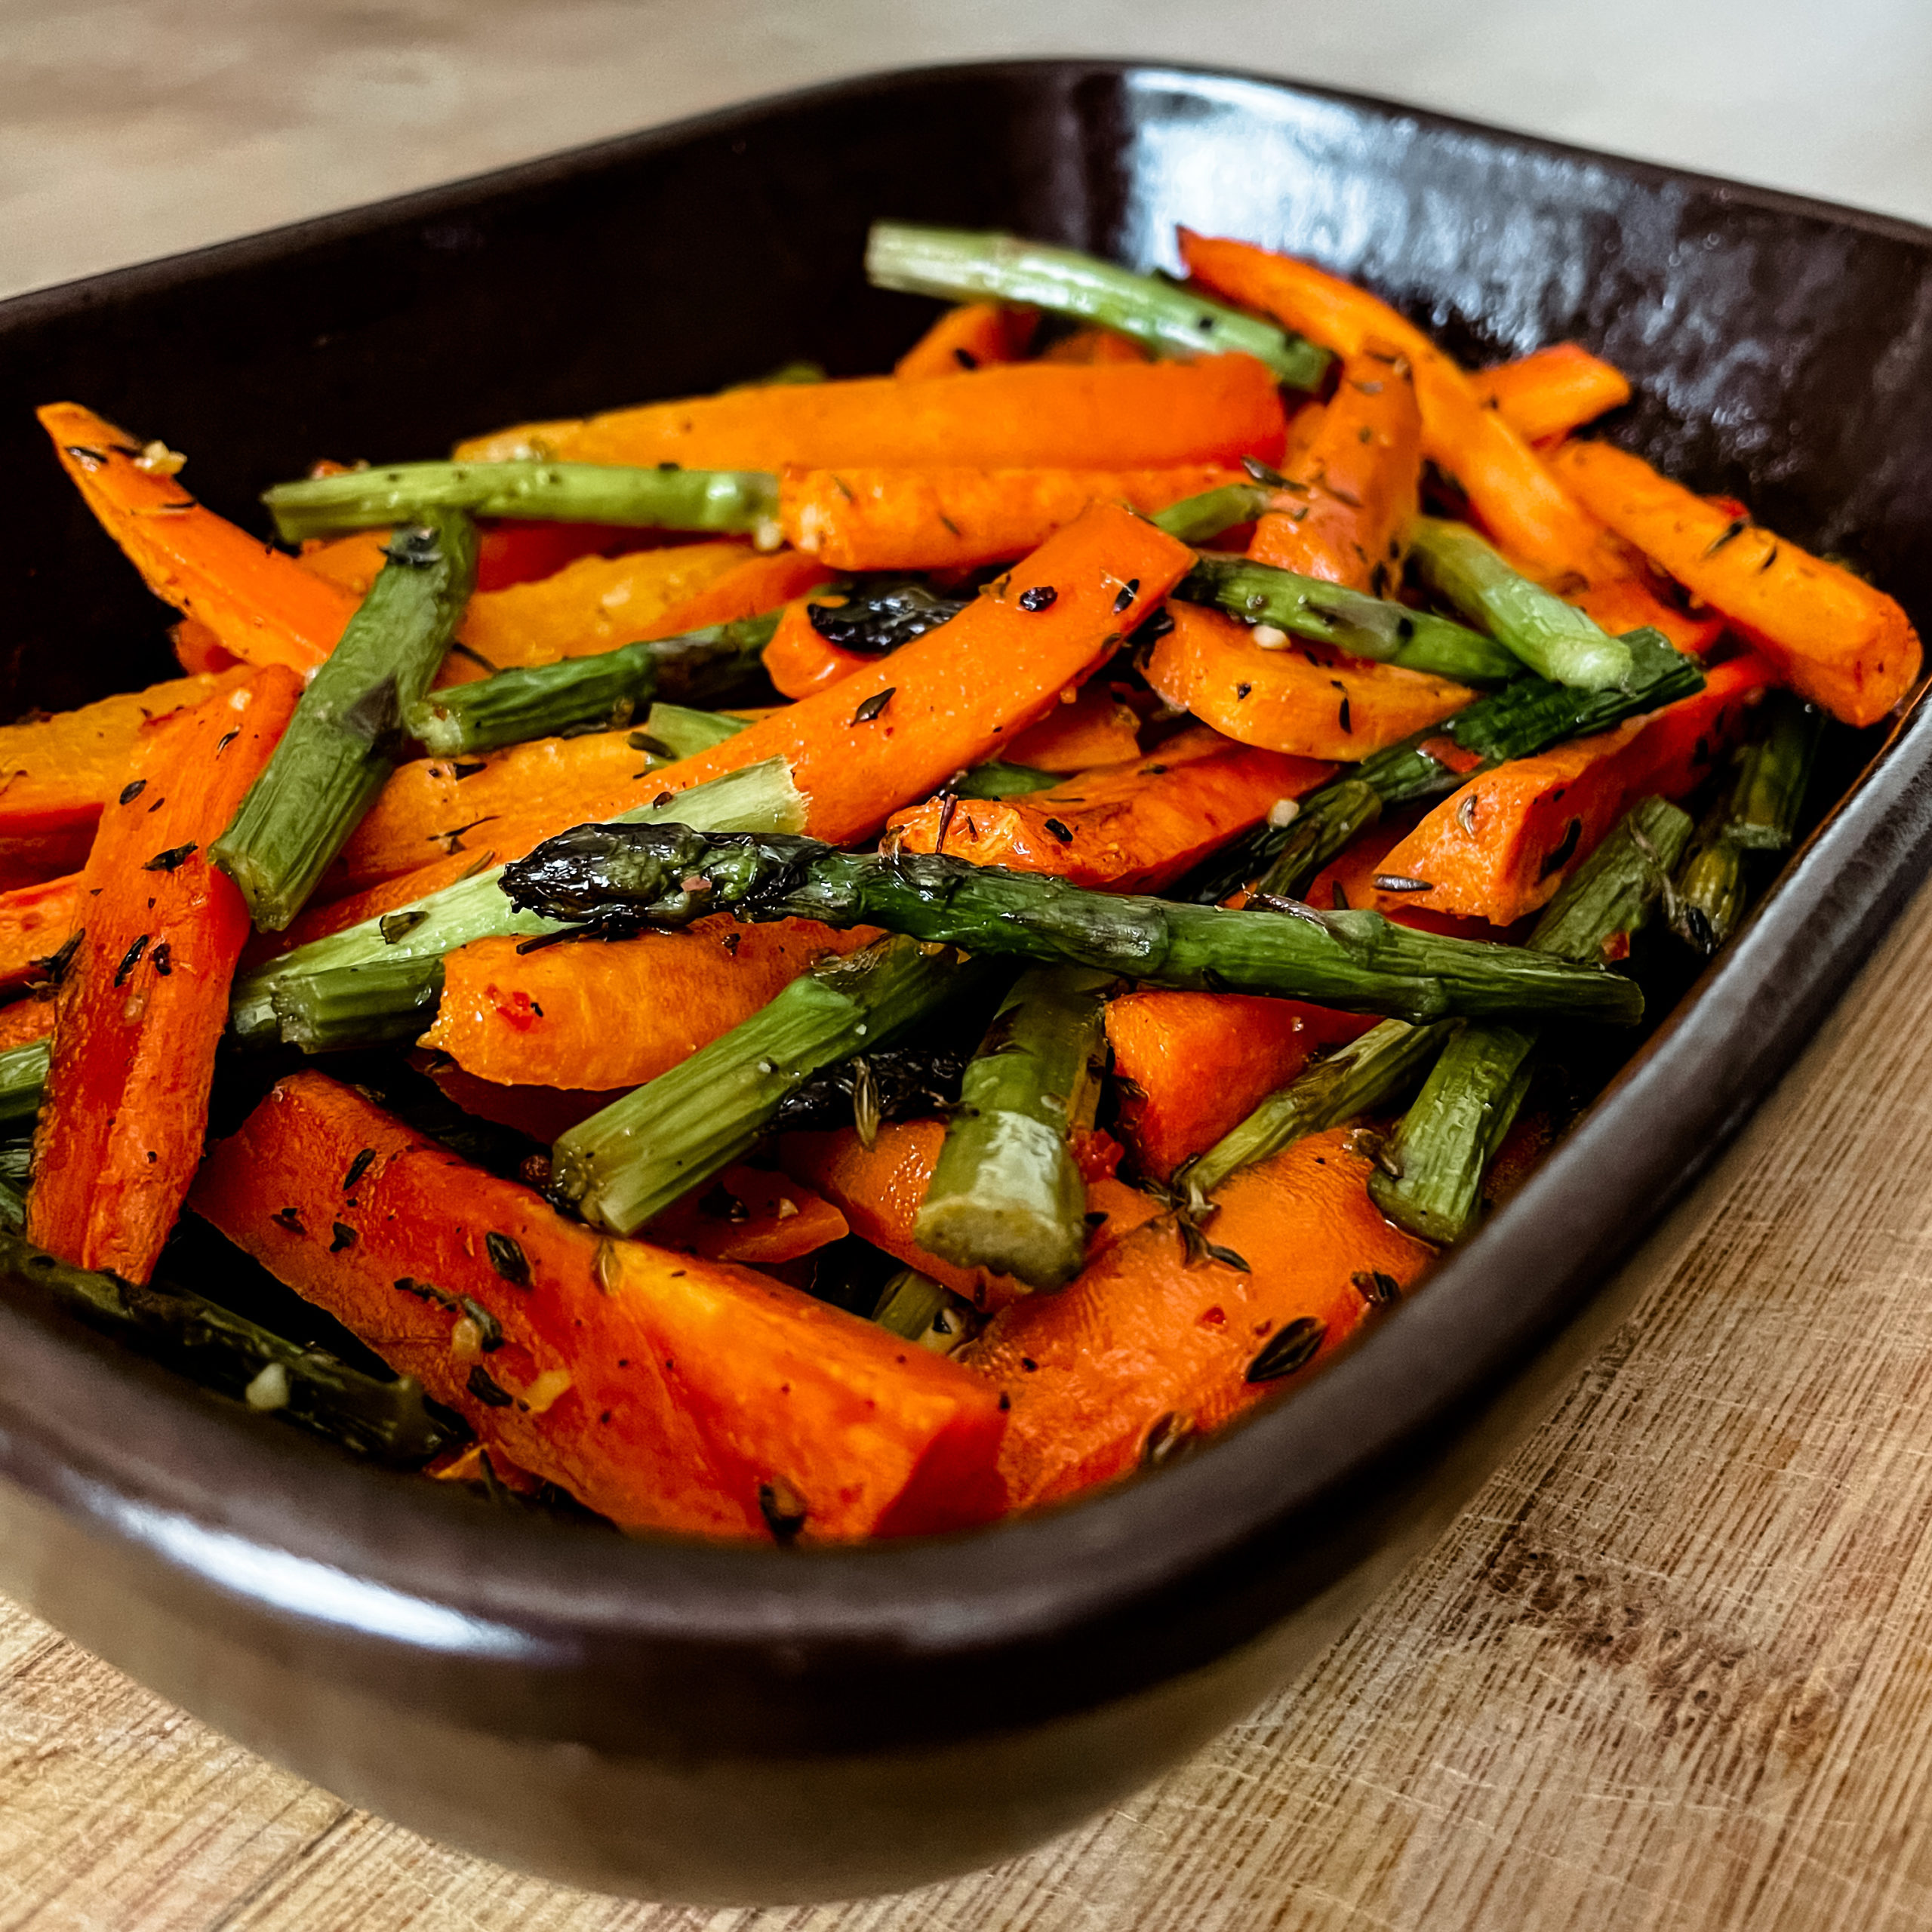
{"points": [[23, 1074], [1367, 1074], [675, 731], [542, 700], [618, 878], [386, 1421], [1352, 620], [1525, 717], [1005, 781], [1431, 1182], [916, 1309], [728, 501], [960, 265], [372, 981], [1198, 520], [1005, 1193], [347, 732], [1759, 814], [1328, 822], [637, 1155], [1556, 640]]}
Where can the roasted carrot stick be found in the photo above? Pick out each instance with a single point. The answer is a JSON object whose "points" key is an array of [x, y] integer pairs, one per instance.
{"points": [[878, 1189], [751, 1216], [351, 563], [1191, 1065], [262, 605], [898, 730], [1353, 490], [1095, 729], [1302, 699], [1834, 638], [1552, 391], [25, 1020], [1084, 347], [1132, 416], [665, 1391], [1134, 827], [1349, 880], [800, 661], [34, 921], [973, 335], [593, 604], [955, 519], [1147, 1348], [1501, 846], [617, 1015], [198, 651], [57, 773], [1551, 535], [144, 998]]}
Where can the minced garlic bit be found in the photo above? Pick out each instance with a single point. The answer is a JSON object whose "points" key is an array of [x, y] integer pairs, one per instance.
{"points": [[467, 1340], [1284, 811], [158, 460], [549, 1387], [768, 534], [1269, 637], [269, 1389]]}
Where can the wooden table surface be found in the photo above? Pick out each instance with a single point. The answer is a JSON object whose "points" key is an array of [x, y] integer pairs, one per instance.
{"points": [[1672, 1668]]}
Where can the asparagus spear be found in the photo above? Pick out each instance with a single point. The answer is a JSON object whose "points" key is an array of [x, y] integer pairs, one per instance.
{"points": [[959, 265], [387, 1421], [1200, 519], [1005, 1193], [542, 700], [1759, 815], [1367, 1074], [917, 1308], [1525, 717], [675, 731], [23, 1074], [1554, 639], [1432, 1181], [378, 980], [618, 878], [731, 500], [631, 1160], [347, 732], [1351, 620], [1004, 781]]}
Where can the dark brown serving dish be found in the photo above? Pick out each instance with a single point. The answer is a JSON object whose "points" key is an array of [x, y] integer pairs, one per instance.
{"points": [[714, 1723]]}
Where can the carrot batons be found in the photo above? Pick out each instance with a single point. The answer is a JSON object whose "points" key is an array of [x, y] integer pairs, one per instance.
{"points": [[595, 604], [264, 606], [1503, 845], [1028, 415], [1096, 728], [1134, 827], [954, 518], [900, 728], [1192, 1066], [620, 1013], [879, 1189], [143, 998], [1302, 699], [752, 1216], [57, 773], [25, 1020], [1088, 346], [1353, 490], [1551, 391], [667, 1391], [34, 921], [1832, 637], [1529, 512], [800, 661], [351, 563], [1146, 1347], [973, 335]]}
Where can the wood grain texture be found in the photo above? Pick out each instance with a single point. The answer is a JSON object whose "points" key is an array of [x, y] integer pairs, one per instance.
{"points": [[1671, 1670]]}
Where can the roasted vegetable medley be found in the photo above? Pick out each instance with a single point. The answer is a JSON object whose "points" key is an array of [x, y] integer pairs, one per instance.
{"points": [[838, 958]]}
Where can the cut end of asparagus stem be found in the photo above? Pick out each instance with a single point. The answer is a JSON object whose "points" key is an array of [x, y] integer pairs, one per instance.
{"points": [[1554, 639], [730, 502], [1197, 520], [631, 1160], [962, 265]]}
